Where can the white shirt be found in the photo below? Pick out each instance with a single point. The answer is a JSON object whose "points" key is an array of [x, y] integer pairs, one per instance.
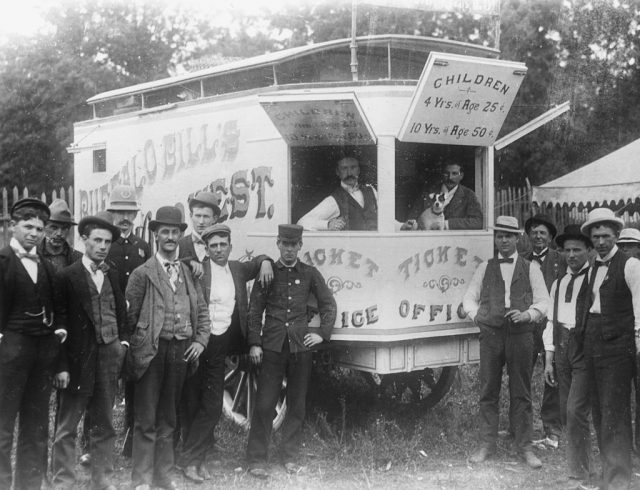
{"points": [[222, 299], [448, 194], [318, 218], [199, 246], [97, 277], [566, 311], [30, 265], [539, 305], [631, 277]]}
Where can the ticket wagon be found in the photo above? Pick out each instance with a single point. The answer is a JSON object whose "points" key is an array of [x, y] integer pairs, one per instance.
{"points": [[265, 133]]}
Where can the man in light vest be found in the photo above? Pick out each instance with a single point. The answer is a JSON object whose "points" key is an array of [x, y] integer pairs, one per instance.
{"points": [[505, 298]]}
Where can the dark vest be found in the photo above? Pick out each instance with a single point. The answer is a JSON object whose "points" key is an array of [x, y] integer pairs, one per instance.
{"points": [[492, 308], [31, 298], [177, 308], [358, 218], [103, 305], [616, 303]]}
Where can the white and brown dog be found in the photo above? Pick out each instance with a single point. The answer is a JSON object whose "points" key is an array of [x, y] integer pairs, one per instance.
{"points": [[432, 218]]}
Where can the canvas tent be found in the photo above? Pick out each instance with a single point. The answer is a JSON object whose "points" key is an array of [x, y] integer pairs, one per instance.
{"points": [[612, 181]]}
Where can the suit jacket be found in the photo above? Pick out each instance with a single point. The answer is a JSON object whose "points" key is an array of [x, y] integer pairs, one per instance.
{"points": [[553, 266], [8, 264], [146, 314], [241, 272], [77, 354], [463, 211]]}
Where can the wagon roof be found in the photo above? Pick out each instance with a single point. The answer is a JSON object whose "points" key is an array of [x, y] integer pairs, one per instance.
{"points": [[415, 43]]}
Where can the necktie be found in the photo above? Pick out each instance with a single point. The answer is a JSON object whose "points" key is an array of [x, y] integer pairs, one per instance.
{"points": [[506, 261], [27, 255], [569, 293], [102, 266], [538, 257], [172, 270], [592, 281]]}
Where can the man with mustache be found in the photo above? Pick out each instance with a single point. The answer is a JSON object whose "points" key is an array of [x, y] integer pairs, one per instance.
{"points": [[462, 209], [127, 253], [171, 329], [55, 248], [350, 207]]}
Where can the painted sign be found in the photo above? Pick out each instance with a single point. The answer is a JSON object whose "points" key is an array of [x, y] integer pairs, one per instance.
{"points": [[461, 100], [320, 120]]}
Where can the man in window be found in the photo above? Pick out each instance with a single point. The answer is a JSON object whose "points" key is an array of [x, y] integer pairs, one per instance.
{"points": [[462, 210], [350, 207]]}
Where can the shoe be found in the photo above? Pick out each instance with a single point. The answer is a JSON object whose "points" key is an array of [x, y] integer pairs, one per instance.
{"points": [[551, 441], [204, 473], [144, 486], [259, 472], [166, 484], [531, 459], [482, 454], [85, 459], [292, 468], [191, 473]]}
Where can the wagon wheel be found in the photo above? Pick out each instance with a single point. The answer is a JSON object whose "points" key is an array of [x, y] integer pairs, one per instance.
{"points": [[425, 388], [240, 387]]}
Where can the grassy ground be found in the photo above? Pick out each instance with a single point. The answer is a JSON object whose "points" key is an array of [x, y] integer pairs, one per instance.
{"points": [[364, 442]]}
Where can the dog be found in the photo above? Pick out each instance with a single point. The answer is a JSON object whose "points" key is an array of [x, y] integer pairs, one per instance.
{"points": [[432, 218]]}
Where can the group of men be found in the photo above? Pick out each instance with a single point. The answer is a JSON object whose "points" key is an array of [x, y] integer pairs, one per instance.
{"points": [[581, 305], [77, 322]]}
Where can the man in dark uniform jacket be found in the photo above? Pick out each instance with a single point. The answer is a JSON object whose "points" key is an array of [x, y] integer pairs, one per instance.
{"points": [[284, 346], [55, 248], [541, 231], [127, 253], [350, 207], [94, 312], [462, 209], [29, 346], [608, 323]]}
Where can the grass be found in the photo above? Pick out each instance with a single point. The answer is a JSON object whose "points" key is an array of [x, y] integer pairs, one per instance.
{"points": [[353, 440]]}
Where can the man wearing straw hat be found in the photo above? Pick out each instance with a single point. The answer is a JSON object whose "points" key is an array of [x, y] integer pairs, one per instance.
{"points": [[505, 298], [608, 324], [171, 329], [55, 248]]}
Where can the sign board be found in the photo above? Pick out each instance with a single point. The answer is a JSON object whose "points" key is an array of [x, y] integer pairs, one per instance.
{"points": [[319, 119], [461, 100]]}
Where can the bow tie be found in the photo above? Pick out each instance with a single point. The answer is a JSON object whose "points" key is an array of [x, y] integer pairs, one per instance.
{"points": [[27, 255], [102, 266], [600, 263], [569, 292], [169, 264], [538, 257], [506, 261]]}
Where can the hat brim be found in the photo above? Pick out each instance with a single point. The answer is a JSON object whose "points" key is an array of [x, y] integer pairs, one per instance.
{"points": [[63, 221], [515, 231], [123, 207], [531, 222], [628, 240], [571, 236], [204, 204], [153, 225], [93, 220], [617, 222]]}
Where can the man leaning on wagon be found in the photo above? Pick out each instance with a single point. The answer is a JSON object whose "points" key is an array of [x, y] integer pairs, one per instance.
{"points": [[29, 346], [505, 298], [171, 329], [608, 325]]}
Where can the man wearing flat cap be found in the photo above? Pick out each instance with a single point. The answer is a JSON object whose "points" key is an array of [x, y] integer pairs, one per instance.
{"points": [[94, 313], [55, 248], [283, 346], [226, 295], [171, 329], [29, 346], [563, 348], [608, 325], [505, 299], [127, 252], [541, 231]]}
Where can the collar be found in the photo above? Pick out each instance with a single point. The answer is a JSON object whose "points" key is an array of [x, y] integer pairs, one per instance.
{"points": [[196, 238], [609, 256], [15, 244], [350, 189], [164, 260], [86, 262], [448, 192], [542, 253], [584, 266], [281, 265], [513, 256], [224, 267]]}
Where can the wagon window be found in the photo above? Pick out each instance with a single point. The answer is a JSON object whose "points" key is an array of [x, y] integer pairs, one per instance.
{"points": [[317, 198], [438, 187]]}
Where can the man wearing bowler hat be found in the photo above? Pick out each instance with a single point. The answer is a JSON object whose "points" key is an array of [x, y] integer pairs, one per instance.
{"points": [[226, 295], [55, 248], [94, 313], [127, 252], [171, 329], [541, 231], [29, 345], [505, 299], [283, 346], [608, 323], [563, 349]]}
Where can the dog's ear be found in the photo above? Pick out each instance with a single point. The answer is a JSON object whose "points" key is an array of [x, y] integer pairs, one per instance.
{"points": [[432, 195]]}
